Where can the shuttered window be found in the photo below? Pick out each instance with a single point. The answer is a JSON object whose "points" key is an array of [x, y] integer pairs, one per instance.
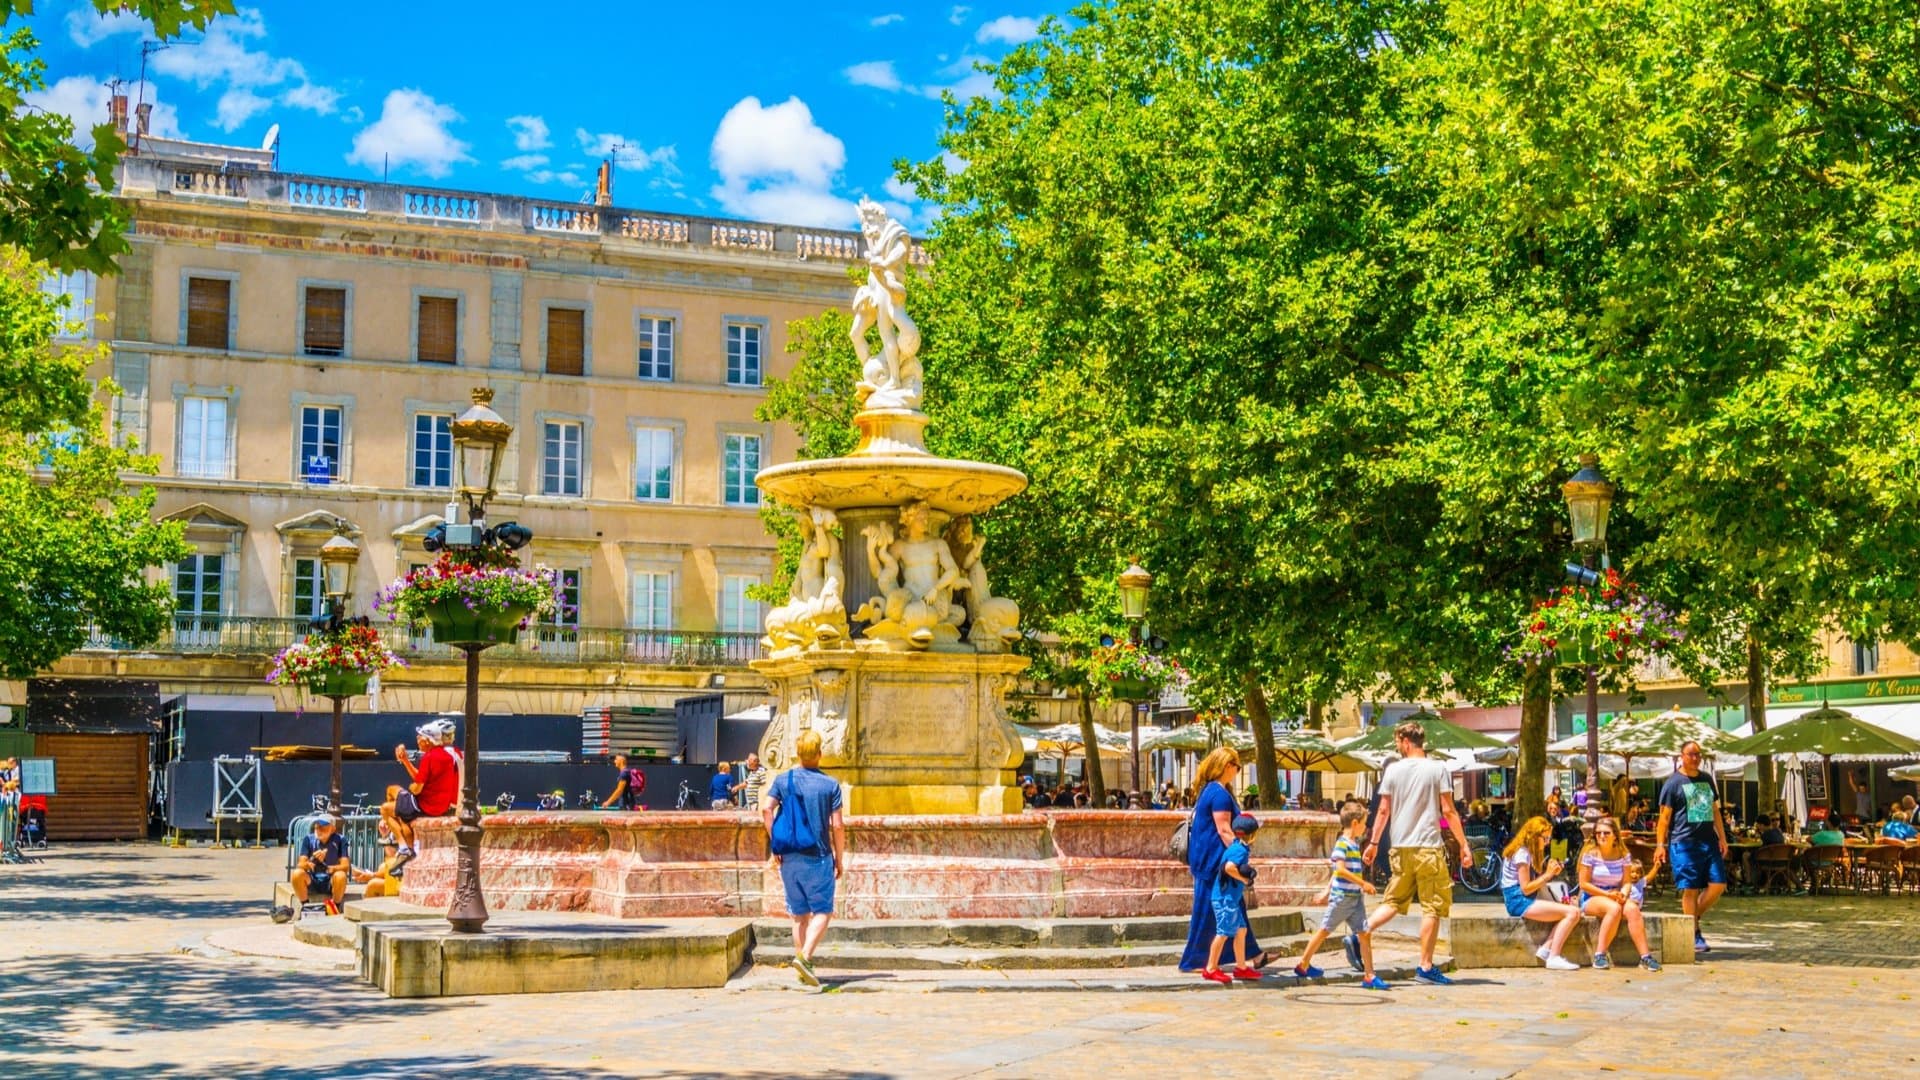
{"points": [[326, 327], [209, 302], [566, 341], [439, 335]]}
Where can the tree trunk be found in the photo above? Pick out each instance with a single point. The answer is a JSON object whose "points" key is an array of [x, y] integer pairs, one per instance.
{"points": [[1757, 716], [1096, 779], [1265, 767], [1536, 722]]}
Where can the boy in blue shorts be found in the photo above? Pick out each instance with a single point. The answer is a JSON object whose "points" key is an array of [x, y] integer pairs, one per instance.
{"points": [[1230, 905], [1345, 902]]}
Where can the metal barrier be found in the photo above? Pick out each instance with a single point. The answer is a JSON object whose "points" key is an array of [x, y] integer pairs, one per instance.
{"points": [[236, 794], [10, 834], [362, 832]]}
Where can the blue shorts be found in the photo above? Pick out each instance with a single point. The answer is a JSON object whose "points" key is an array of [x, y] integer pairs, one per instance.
{"points": [[1517, 901], [810, 883], [1695, 866], [1229, 914]]}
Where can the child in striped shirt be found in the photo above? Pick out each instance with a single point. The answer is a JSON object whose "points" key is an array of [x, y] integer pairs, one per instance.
{"points": [[1345, 903]]}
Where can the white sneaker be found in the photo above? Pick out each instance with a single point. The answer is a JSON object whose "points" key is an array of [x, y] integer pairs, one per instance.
{"points": [[1561, 963], [1543, 952]]}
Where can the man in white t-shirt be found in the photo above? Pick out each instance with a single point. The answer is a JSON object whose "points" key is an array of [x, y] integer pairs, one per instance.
{"points": [[1416, 794]]}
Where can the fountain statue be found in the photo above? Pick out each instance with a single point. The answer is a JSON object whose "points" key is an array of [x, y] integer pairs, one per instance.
{"points": [[897, 655]]}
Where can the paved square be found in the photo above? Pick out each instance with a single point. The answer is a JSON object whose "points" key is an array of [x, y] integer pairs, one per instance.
{"points": [[96, 987]]}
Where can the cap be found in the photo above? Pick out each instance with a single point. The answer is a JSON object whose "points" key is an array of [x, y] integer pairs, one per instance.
{"points": [[1246, 823]]}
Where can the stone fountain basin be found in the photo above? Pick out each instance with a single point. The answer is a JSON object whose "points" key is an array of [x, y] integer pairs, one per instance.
{"points": [[947, 485], [1053, 864]]}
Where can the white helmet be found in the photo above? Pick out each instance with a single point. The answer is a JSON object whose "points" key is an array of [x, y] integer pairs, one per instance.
{"points": [[439, 731]]}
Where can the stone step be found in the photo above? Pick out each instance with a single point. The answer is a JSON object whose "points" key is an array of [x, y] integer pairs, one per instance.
{"points": [[1397, 972], [326, 931], [1021, 934], [840, 956]]}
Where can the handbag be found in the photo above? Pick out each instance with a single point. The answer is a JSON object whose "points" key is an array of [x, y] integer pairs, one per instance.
{"points": [[792, 833], [1177, 843]]}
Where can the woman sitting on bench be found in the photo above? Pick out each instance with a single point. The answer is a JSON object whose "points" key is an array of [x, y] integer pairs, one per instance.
{"points": [[1519, 885]]}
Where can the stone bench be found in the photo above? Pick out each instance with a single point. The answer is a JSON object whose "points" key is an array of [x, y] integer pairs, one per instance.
{"points": [[1498, 940]]}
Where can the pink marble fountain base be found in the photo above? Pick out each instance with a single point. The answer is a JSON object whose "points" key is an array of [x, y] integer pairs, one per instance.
{"points": [[1036, 865]]}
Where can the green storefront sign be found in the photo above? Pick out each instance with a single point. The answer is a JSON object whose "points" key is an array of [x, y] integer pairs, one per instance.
{"points": [[1898, 689]]}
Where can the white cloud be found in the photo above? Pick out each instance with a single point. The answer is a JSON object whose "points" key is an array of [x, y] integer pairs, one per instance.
{"points": [[549, 176], [776, 164], [878, 74], [968, 83], [529, 133], [222, 57], [412, 130], [899, 189], [320, 100], [1012, 29], [886, 20], [959, 14], [524, 162], [88, 27], [83, 100], [353, 115], [236, 107], [627, 152]]}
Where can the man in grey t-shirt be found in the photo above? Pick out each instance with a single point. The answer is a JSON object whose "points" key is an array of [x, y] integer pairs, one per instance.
{"points": [[1416, 794]]}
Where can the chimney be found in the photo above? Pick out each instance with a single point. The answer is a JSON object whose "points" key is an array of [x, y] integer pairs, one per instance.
{"points": [[142, 114], [117, 112], [603, 191]]}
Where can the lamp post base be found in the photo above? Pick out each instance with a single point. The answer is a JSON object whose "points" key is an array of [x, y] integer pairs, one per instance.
{"points": [[468, 913]]}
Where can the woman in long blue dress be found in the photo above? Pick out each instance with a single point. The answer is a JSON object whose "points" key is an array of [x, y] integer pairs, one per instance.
{"points": [[1207, 838]]}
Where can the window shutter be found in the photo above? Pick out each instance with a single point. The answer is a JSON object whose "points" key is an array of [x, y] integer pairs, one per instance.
{"points": [[566, 341], [439, 340], [326, 322], [207, 307]]}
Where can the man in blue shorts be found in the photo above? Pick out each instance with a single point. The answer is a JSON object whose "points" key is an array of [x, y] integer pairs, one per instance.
{"points": [[1693, 838], [807, 835]]}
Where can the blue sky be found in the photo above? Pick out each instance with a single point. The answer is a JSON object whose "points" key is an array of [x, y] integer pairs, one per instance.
{"points": [[783, 112]]}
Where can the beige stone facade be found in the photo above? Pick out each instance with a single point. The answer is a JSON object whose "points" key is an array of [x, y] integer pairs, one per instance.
{"points": [[265, 320]]}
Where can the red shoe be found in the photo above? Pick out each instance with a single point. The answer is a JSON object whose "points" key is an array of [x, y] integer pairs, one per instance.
{"points": [[1248, 974], [1216, 975]]}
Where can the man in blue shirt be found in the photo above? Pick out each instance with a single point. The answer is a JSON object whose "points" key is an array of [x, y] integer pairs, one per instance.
{"points": [[1693, 837], [322, 864], [720, 789], [807, 835]]}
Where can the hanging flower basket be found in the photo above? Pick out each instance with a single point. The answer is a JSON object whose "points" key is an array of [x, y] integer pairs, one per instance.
{"points": [[1133, 690], [454, 623], [483, 600], [1124, 671], [334, 663], [1612, 625]]}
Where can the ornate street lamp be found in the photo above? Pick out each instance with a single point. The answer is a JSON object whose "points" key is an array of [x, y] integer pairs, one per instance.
{"points": [[1589, 498], [479, 437], [1135, 586], [338, 558]]}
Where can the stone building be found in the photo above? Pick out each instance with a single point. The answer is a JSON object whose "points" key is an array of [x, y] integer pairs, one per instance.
{"points": [[293, 347]]}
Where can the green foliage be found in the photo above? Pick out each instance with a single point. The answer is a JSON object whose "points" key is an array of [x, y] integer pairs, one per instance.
{"points": [[77, 543], [58, 206]]}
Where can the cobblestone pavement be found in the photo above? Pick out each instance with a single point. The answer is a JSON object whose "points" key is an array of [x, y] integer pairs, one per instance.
{"points": [[94, 988]]}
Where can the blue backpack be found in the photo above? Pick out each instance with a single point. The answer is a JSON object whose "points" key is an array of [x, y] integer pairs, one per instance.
{"points": [[792, 833]]}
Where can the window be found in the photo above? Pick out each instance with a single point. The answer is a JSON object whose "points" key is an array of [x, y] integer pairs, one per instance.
{"points": [[566, 341], [203, 437], [1866, 658], [652, 600], [209, 304], [196, 599], [319, 444], [76, 290], [433, 450], [437, 336], [653, 464], [569, 613], [738, 613], [325, 330], [743, 354], [62, 439], [656, 348], [742, 462], [309, 589], [560, 458]]}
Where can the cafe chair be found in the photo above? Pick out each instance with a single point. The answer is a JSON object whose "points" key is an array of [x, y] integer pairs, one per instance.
{"points": [[1773, 866], [1910, 868], [1877, 867], [1826, 865]]}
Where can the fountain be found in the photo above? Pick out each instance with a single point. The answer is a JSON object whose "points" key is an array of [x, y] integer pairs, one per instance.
{"points": [[896, 653], [892, 646]]}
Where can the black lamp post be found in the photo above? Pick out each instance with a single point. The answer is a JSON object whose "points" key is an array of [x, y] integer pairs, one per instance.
{"points": [[1136, 584], [1589, 498], [479, 436], [338, 558]]}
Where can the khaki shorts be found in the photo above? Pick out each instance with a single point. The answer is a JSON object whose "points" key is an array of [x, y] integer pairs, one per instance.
{"points": [[1421, 872]]}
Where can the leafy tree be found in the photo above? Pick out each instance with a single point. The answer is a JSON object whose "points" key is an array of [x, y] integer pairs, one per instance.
{"points": [[58, 205]]}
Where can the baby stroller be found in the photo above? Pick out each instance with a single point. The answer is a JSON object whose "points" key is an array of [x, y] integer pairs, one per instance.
{"points": [[33, 823]]}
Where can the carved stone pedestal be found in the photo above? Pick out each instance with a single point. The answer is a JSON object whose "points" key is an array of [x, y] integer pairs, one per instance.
{"points": [[904, 733]]}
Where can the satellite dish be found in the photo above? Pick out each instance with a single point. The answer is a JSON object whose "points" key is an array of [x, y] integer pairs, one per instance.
{"points": [[272, 139]]}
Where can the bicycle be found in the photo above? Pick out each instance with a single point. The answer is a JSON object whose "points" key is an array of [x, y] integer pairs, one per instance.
{"points": [[553, 801], [503, 801], [586, 801], [358, 807]]}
